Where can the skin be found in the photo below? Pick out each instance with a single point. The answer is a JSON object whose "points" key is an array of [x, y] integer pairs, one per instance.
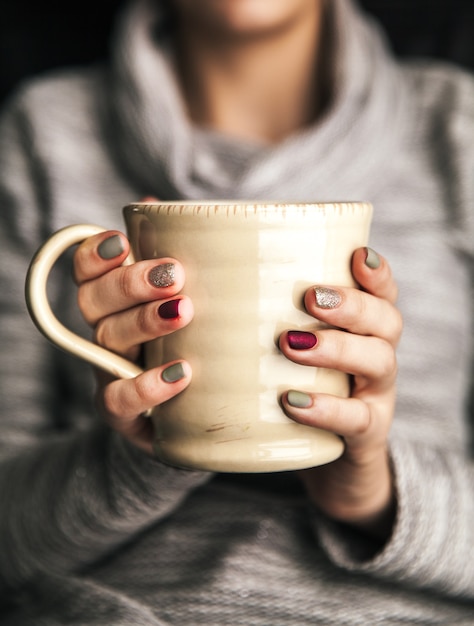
{"points": [[357, 488], [232, 56], [255, 47]]}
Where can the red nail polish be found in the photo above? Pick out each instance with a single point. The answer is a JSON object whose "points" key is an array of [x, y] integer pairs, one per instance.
{"points": [[299, 340], [169, 310]]}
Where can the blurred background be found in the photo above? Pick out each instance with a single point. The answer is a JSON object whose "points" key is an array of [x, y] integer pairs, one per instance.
{"points": [[37, 35]]}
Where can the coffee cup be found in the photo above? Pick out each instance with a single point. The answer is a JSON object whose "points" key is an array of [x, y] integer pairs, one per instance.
{"points": [[247, 265]]}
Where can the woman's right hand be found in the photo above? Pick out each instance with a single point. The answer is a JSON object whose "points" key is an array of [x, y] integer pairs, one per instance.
{"points": [[127, 306]]}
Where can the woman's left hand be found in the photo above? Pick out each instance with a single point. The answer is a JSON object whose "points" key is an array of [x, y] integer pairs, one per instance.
{"points": [[365, 328]]}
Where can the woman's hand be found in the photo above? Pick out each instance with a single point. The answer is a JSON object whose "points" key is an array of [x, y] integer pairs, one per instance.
{"points": [[127, 306], [357, 488]]}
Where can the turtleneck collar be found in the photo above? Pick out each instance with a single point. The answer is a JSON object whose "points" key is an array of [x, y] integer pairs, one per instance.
{"points": [[337, 158]]}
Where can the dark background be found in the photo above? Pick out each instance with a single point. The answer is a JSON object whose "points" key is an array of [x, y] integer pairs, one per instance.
{"points": [[36, 35]]}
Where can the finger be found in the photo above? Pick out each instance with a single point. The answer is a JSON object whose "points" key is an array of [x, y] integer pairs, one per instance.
{"points": [[124, 332], [369, 357], [374, 275], [99, 254], [125, 399], [356, 311], [347, 417], [123, 402], [123, 288]]}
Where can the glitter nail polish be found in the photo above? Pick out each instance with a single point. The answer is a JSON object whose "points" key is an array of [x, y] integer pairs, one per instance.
{"points": [[327, 298], [299, 340], [162, 275]]}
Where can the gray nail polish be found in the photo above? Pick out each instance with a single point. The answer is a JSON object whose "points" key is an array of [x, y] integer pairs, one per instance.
{"points": [[327, 298], [372, 259], [299, 400], [173, 373], [162, 275], [110, 248]]}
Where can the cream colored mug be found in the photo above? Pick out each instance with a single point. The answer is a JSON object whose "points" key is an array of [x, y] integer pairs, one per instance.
{"points": [[247, 267]]}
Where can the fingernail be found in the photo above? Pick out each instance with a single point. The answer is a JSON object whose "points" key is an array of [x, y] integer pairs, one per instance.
{"points": [[327, 298], [173, 373], [111, 247], [162, 275], [299, 340], [372, 259], [299, 400], [169, 310]]}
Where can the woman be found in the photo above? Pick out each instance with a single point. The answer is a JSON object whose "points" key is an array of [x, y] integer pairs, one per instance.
{"points": [[242, 99]]}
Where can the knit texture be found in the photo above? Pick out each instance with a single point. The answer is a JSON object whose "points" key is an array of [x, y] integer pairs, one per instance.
{"points": [[92, 531]]}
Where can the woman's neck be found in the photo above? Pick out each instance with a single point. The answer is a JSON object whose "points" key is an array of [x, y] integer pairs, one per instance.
{"points": [[260, 88]]}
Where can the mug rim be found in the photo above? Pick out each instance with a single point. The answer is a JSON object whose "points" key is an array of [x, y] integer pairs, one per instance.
{"points": [[253, 207]]}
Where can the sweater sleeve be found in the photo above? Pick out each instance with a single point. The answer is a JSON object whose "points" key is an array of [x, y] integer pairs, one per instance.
{"points": [[72, 489], [432, 543]]}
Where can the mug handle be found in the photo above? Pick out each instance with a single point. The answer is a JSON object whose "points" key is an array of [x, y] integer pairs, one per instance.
{"points": [[45, 320]]}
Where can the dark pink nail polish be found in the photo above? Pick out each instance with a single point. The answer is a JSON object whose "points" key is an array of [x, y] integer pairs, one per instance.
{"points": [[299, 340], [169, 310]]}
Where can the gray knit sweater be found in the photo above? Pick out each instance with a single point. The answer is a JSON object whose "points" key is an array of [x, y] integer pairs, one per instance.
{"points": [[94, 532]]}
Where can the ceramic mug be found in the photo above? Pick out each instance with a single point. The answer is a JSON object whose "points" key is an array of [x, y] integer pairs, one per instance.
{"points": [[247, 268]]}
